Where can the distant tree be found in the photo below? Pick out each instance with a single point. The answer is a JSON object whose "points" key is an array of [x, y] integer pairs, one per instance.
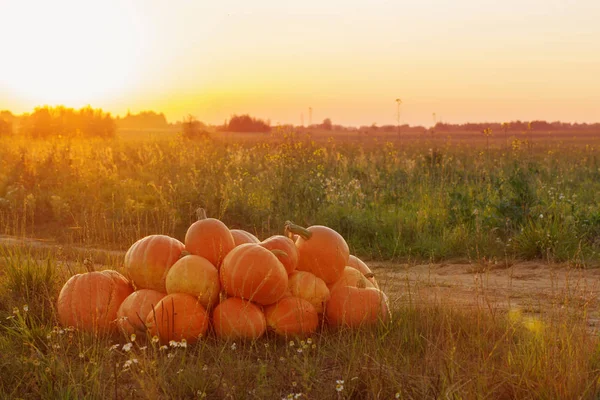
{"points": [[96, 123], [245, 123], [193, 129], [327, 125], [143, 120], [46, 122]]}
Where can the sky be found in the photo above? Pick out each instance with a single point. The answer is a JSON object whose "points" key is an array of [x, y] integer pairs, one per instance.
{"points": [[463, 60]]}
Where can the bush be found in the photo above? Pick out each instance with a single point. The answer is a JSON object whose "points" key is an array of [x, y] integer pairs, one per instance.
{"points": [[246, 123], [194, 129]]}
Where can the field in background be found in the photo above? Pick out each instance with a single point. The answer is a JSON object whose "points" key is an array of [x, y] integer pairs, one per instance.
{"points": [[425, 198], [485, 327]]}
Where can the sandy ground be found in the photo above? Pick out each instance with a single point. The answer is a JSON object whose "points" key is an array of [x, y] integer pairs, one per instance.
{"points": [[535, 288]]}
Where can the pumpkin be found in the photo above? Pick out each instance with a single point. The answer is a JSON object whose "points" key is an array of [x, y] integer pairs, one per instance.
{"points": [[321, 250], [284, 249], [148, 260], [253, 273], [350, 277], [241, 237], [356, 306], [176, 317], [358, 264], [307, 286], [90, 301], [235, 318], [196, 276], [209, 238], [292, 316], [131, 316]]}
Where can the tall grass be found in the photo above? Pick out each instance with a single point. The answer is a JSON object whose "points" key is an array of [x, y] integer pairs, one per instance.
{"points": [[422, 199], [429, 350]]}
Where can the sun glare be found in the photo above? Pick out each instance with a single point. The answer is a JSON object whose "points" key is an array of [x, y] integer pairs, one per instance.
{"points": [[69, 54]]}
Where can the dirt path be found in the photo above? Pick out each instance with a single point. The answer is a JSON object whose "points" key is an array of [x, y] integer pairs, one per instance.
{"points": [[41, 248], [534, 288]]}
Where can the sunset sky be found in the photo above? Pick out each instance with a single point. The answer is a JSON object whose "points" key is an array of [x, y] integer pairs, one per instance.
{"points": [[465, 60]]}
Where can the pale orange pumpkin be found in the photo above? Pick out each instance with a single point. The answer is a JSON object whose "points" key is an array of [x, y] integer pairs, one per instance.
{"points": [[357, 306], [148, 260], [132, 313], [209, 238], [235, 318], [90, 301], [360, 265], [307, 286], [350, 277], [292, 316], [176, 317], [240, 237], [195, 276], [321, 250], [285, 251], [253, 273]]}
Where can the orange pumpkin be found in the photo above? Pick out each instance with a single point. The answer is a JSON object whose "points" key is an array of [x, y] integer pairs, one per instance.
{"points": [[176, 317], [321, 250], [285, 251], [292, 316], [253, 273], [241, 237], [209, 238], [358, 264], [90, 301], [132, 313], [355, 306], [235, 318], [350, 277], [196, 276], [149, 259], [307, 286]]}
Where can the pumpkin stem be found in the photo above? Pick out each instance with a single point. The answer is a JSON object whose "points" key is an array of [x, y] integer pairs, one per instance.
{"points": [[361, 284], [201, 213], [291, 228], [279, 253], [88, 264]]}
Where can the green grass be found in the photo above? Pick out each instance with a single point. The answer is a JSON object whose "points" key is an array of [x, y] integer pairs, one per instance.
{"points": [[429, 350], [421, 199]]}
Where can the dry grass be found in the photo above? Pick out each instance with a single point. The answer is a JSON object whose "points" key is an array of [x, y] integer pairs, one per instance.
{"points": [[420, 199], [426, 199], [429, 350]]}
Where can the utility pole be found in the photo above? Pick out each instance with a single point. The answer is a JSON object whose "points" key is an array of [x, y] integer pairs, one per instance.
{"points": [[398, 102]]}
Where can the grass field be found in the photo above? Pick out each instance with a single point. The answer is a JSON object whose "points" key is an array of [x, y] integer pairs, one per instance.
{"points": [[422, 198], [411, 200]]}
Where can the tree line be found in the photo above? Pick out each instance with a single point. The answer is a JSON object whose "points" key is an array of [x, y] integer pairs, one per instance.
{"points": [[60, 121], [46, 122]]}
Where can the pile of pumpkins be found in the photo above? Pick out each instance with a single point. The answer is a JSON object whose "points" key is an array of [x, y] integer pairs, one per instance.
{"points": [[230, 280]]}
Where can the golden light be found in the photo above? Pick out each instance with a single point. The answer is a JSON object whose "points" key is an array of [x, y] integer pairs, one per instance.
{"points": [[69, 53]]}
